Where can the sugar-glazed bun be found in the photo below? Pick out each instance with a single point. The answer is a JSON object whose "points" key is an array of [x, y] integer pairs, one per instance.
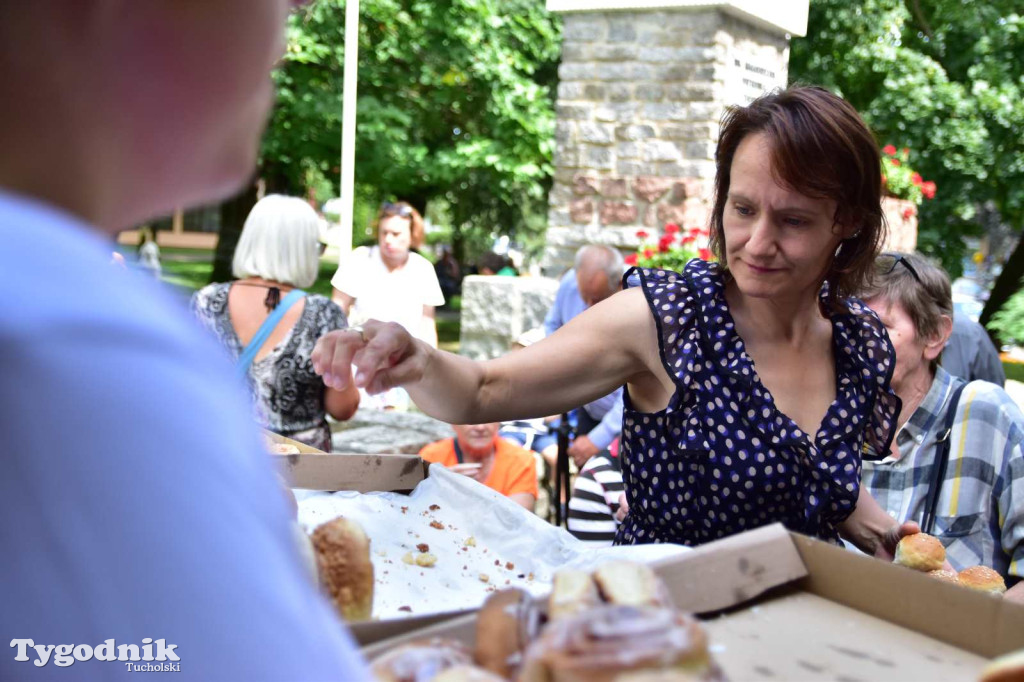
{"points": [[943, 574], [343, 557], [983, 579], [507, 623], [602, 643], [921, 552], [420, 661], [631, 584], [572, 591]]}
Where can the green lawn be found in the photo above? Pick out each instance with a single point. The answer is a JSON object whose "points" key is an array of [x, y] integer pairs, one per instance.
{"points": [[190, 270], [1014, 370]]}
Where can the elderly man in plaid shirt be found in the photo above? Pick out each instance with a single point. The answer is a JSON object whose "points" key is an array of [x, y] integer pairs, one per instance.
{"points": [[979, 515]]}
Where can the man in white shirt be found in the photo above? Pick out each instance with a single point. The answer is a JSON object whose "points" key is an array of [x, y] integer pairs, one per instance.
{"points": [[139, 508]]}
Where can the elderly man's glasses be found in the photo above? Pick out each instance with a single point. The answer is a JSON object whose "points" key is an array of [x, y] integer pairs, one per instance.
{"points": [[396, 209], [887, 262]]}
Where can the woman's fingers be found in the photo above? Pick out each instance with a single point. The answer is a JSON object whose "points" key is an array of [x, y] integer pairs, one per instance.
{"points": [[332, 356]]}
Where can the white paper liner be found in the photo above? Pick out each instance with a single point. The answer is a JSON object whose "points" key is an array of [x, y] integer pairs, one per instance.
{"points": [[514, 548]]}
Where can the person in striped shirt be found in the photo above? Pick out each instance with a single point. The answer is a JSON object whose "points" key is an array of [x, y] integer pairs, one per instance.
{"points": [[595, 498], [979, 511]]}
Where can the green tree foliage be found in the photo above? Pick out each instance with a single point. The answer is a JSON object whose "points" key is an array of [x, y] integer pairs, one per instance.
{"points": [[455, 105], [944, 78]]}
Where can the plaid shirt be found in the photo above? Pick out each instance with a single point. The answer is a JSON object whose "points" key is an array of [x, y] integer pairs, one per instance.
{"points": [[980, 513]]}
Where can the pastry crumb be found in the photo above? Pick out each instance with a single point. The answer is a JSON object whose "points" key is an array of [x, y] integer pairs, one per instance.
{"points": [[407, 609], [509, 566], [484, 578], [437, 524], [407, 558], [425, 559], [434, 507], [471, 541], [423, 547]]}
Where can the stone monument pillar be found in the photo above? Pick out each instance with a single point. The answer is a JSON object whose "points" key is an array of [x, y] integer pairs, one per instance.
{"points": [[643, 84]]}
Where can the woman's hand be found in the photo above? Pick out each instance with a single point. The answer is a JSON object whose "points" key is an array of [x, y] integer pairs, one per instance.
{"points": [[378, 356], [886, 547]]}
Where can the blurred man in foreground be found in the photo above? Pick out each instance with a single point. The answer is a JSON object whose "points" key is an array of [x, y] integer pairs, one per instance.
{"points": [[138, 503]]}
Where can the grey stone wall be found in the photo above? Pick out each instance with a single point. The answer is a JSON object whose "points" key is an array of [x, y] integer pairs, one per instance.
{"points": [[640, 96], [496, 310]]}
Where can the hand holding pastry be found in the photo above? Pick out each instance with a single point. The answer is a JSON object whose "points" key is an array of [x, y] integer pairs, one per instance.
{"points": [[921, 552]]}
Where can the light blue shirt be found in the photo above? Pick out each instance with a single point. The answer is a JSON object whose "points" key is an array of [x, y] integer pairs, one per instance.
{"points": [[568, 304], [138, 501]]}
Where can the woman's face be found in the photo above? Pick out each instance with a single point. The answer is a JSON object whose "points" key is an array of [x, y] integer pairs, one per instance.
{"points": [[395, 238], [912, 356], [778, 243]]}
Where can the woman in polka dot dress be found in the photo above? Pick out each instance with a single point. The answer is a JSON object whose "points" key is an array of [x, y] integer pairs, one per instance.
{"points": [[754, 385]]}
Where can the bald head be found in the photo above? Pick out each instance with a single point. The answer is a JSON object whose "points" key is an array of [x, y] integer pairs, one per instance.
{"points": [[598, 272]]}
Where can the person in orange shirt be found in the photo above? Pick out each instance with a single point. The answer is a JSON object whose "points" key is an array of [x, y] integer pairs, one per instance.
{"points": [[478, 452]]}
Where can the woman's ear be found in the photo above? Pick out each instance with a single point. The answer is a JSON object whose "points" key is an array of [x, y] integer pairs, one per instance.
{"points": [[934, 347]]}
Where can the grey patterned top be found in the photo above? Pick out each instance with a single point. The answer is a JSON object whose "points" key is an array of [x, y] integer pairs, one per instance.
{"points": [[288, 395]]}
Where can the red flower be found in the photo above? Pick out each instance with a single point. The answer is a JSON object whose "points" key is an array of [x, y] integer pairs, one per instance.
{"points": [[889, 149], [664, 243], [884, 179], [928, 190], [704, 254], [671, 228], [895, 162], [689, 239], [916, 179], [642, 234], [906, 151], [648, 253], [908, 213], [630, 259]]}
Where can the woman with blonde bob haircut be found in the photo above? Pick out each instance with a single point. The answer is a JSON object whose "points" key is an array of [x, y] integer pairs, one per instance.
{"points": [[277, 253], [753, 385]]}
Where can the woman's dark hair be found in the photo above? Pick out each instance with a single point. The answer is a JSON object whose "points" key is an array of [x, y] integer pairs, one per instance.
{"points": [[821, 148], [402, 209]]}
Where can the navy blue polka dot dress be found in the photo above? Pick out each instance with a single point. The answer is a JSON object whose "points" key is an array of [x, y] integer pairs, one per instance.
{"points": [[721, 458]]}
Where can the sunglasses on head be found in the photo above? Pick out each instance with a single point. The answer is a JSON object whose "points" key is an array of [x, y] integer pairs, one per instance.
{"points": [[887, 262], [402, 210]]}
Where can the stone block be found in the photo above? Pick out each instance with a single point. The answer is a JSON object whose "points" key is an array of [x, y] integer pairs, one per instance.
{"points": [[649, 92], [564, 131], [577, 71], [625, 112], [581, 211], [596, 133], [584, 27], [902, 218], [678, 92], [614, 188], [661, 150], [584, 185], [627, 150], [700, 150], [576, 51], [649, 188], [629, 168], [618, 92], [667, 213], [612, 71], [593, 92], [614, 52], [600, 158], [570, 90], [689, 131], [634, 132], [504, 307], [651, 216], [572, 112], [618, 213], [605, 114], [664, 111], [622, 28], [679, 72], [660, 54]]}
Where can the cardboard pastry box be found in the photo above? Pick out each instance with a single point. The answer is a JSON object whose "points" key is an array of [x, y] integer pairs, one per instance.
{"points": [[780, 606]]}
